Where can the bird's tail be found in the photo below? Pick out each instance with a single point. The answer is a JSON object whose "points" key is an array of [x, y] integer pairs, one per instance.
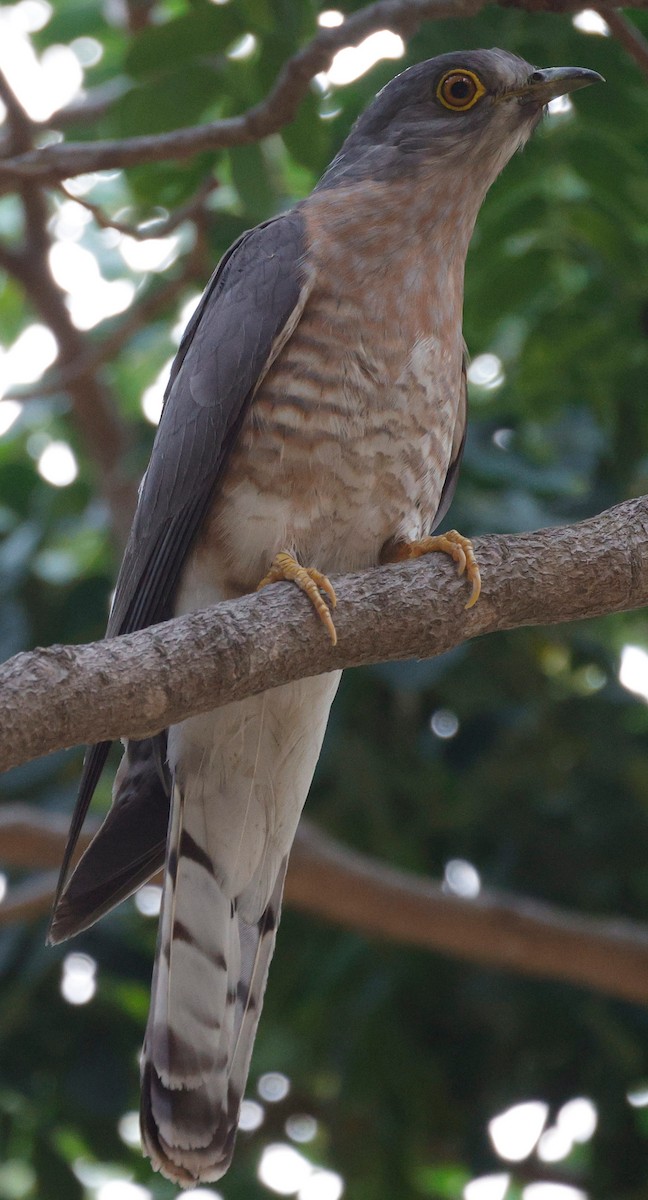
{"points": [[210, 976]]}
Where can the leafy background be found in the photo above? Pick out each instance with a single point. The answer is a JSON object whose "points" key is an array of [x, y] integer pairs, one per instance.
{"points": [[401, 1056]]}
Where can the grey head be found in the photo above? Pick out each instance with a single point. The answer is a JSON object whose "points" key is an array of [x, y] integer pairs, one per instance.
{"points": [[472, 108]]}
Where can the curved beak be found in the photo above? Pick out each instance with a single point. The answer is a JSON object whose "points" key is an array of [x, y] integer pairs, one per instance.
{"points": [[545, 85]]}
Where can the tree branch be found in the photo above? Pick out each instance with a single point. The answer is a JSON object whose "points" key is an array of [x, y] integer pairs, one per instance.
{"points": [[90, 106], [52, 163], [493, 929], [159, 228], [20, 125], [138, 684], [358, 892], [146, 308], [102, 432]]}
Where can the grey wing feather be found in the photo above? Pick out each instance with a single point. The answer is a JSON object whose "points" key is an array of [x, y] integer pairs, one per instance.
{"points": [[221, 358], [127, 850], [225, 351], [458, 443]]}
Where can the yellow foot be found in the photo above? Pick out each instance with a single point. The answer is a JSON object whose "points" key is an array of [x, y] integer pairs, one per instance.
{"points": [[310, 580], [455, 544]]}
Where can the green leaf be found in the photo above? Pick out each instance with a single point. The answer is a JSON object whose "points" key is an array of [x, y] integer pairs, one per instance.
{"points": [[203, 31]]}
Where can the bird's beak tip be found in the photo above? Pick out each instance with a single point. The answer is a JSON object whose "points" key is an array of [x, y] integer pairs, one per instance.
{"points": [[551, 82]]}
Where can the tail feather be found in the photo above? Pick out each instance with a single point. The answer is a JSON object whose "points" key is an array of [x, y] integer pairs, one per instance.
{"points": [[241, 774], [208, 985], [257, 946]]}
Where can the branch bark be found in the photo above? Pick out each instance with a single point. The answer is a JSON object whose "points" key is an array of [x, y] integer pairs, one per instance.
{"points": [[355, 891], [138, 684]]}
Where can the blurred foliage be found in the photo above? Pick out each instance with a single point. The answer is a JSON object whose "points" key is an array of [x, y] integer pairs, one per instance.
{"points": [[402, 1056]]}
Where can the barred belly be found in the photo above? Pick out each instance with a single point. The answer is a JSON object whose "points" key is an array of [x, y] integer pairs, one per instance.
{"points": [[349, 437], [343, 448]]}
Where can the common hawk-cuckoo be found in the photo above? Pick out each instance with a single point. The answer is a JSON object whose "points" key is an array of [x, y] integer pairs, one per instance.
{"points": [[315, 414]]}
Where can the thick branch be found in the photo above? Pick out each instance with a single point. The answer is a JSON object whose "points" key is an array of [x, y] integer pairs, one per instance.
{"points": [[279, 108], [358, 892], [135, 685], [525, 936]]}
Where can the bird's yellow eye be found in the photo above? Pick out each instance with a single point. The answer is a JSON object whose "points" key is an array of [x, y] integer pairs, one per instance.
{"points": [[459, 90]]}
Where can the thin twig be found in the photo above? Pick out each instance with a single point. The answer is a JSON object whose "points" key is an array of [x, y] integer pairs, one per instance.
{"points": [[156, 228], [89, 107]]}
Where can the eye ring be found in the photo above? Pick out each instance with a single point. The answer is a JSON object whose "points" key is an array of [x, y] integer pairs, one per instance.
{"points": [[459, 90]]}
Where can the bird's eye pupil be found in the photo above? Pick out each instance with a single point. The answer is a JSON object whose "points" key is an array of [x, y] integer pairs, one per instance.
{"points": [[459, 90]]}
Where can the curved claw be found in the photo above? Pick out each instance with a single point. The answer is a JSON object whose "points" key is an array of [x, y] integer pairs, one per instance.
{"points": [[475, 578], [458, 547], [470, 564], [285, 568]]}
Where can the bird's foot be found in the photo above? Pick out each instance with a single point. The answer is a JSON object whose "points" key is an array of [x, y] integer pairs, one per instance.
{"points": [[459, 548], [311, 581]]}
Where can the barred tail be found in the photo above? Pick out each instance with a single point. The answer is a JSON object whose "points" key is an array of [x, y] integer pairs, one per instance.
{"points": [[208, 984]]}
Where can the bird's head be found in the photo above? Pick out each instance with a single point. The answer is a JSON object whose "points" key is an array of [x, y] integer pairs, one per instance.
{"points": [[470, 109]]}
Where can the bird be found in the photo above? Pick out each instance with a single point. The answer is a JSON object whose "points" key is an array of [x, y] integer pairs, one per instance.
{"points": [[313, 423]]}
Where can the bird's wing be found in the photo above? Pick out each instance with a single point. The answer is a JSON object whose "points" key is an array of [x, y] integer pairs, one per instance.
{"points": [[458, 443], [126, 851], [251, 306]]}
